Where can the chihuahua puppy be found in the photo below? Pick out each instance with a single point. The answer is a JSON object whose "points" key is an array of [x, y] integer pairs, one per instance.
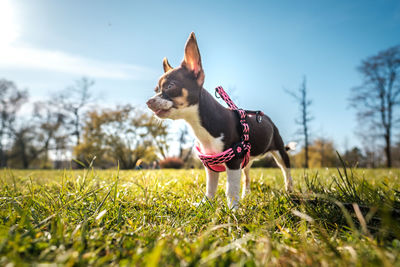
{"points": [[180, 95]]}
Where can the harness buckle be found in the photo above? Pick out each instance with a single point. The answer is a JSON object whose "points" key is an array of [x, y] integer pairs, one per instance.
{"points": [[238, 149]]}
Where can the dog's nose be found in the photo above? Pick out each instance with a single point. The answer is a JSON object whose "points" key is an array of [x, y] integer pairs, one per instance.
{"points": [[150, 102]]}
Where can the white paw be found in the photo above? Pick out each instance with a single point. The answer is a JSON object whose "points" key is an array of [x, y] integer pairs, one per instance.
{"points": [[233, 204], [203, 201], [289, 187], [234, 207], [245, 193]]}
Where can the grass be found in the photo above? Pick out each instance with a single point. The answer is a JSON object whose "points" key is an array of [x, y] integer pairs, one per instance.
{"points": [[147, 218]]}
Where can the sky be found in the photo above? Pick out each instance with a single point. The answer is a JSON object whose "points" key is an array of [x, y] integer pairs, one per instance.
{"points": [[254, 49]]}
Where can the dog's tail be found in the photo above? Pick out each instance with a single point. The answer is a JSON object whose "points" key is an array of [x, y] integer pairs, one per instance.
{"points": [[291, 146]]}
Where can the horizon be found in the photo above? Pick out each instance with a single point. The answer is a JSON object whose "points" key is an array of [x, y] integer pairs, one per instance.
{"points": [[255, 51]]}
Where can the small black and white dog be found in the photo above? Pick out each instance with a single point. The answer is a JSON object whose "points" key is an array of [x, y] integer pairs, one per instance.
{"points": [[180, 95]]}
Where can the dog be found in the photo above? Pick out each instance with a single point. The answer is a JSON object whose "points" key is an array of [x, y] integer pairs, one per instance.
{"points": [[180, 95]]}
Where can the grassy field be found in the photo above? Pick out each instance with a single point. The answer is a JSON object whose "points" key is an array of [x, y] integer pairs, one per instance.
{"points": [[147, 218]]}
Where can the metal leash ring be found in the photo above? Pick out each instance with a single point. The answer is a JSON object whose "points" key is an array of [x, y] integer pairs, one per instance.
{"points": [[258, 116], [217, 94]]}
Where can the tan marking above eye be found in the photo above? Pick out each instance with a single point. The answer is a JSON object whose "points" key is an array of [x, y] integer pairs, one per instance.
{"points": [[181, 101], [162, 83]]}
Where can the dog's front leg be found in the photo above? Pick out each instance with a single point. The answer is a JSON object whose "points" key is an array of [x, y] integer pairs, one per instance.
{"points": [[211, 187], [212, 183], [233, 187]]}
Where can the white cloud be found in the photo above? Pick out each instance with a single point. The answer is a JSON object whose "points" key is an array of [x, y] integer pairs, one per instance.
{"points": [[25, 57], [9, 30], [32, 58]]}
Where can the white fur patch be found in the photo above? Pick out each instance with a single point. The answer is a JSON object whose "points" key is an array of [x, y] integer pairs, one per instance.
{"points": [[246, 184], [285, 171], [291, 146], [208, 143]]}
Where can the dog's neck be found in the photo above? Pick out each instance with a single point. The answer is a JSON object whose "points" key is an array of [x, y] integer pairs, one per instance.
{"points": [[201, 117]]}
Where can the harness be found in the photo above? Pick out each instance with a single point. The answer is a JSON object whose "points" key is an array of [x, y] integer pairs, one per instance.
{"points": [[239, 150]]}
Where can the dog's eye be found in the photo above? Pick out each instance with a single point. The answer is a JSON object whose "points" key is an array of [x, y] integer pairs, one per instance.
{"points": [[156, 89], [170, 85]]}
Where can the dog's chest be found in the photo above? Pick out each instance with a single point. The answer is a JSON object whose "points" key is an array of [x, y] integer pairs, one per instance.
{"points": [[208, 143]]}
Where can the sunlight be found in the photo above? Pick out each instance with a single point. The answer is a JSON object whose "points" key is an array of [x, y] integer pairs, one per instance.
{"points": [[8, 26]]}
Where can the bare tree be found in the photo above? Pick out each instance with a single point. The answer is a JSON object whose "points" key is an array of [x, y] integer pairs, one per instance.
{"points": [[74, 102], [51, 124], [183, 133], [377, 99], [156, 129], [11, 99], [186, 144], [26, 147], [36, 136], [304, 119]]}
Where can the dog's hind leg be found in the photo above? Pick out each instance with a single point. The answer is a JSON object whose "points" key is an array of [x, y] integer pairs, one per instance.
{"points": [[246, 184], [282, 159]]}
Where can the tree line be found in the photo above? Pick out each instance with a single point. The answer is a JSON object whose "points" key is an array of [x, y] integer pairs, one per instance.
{"points": [[69, 125], [376, 103]]}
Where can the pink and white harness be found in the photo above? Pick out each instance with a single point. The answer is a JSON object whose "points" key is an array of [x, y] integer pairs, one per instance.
{"points": [[241, 149]]}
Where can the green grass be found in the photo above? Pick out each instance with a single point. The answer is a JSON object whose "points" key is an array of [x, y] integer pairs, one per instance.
{"points": [[94, 217]]}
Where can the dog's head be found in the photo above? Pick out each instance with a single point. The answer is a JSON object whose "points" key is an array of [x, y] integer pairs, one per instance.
{"points": [[179, 88]]}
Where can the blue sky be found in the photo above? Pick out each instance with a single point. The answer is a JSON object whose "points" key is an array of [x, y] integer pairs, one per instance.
{"points": [[254, 49]]}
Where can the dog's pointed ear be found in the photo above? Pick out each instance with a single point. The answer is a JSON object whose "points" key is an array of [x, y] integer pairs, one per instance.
{"points": [[166, 65], [192, 59]]}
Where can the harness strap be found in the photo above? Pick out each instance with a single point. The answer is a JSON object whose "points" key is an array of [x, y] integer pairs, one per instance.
{"points": [[238, 150]]}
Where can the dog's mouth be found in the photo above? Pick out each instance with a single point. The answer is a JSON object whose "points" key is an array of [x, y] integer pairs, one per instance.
{"points": [[161, 112], [159, 106]]}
